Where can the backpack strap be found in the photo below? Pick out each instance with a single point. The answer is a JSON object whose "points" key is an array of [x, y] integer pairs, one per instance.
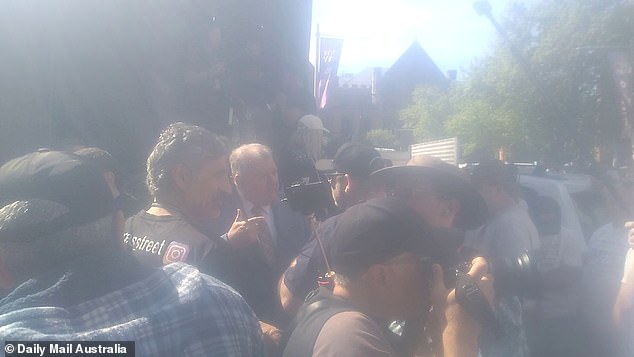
{"points": [[307, 324]]}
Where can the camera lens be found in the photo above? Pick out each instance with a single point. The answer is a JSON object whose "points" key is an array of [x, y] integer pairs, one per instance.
{"points": [[512, 277], [515, 277]]}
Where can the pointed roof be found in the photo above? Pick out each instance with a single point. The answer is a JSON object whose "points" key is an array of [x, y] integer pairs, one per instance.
{"points": [[414, 67]]}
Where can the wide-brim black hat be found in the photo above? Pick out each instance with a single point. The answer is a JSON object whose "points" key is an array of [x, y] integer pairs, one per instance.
{"points": [[446, 177]]}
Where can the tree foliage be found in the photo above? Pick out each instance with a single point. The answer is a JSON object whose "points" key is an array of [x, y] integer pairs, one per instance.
{"points": [[560, 105], [382, 138]]}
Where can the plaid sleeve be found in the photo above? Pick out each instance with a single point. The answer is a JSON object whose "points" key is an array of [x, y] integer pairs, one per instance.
{"points": [[176, 311], [226, 325]]}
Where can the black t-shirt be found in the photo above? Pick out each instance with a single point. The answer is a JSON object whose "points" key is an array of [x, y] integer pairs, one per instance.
{"points": [[161, 240], [128, 205], [301, 278]]}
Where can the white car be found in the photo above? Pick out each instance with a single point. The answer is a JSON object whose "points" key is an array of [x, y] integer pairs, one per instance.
{"points": [[581, 198]]}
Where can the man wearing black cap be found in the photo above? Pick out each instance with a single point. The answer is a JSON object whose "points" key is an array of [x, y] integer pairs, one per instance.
{"points": [[383, 271], [444, 198], [71, 280], [350, 184], [442, 195]]}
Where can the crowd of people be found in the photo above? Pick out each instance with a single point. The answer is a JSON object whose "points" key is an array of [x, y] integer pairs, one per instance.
{"points": [[421, 259]]}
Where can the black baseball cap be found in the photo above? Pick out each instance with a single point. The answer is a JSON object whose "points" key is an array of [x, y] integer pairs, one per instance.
{"points": [[357, 160], [60, 177], [374, 231]]}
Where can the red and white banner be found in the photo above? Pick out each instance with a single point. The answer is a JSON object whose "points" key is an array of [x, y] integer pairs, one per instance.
{"points": [[329, 56]]}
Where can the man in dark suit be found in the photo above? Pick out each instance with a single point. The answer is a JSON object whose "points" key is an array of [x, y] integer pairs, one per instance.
{"points": [[281, 232]]}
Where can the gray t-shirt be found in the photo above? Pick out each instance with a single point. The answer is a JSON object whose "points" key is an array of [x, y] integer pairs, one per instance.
{"points": [[352, 334], [505, 235]]}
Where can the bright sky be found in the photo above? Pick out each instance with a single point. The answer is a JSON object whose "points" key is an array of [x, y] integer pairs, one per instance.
{"points": [[376, 32]]}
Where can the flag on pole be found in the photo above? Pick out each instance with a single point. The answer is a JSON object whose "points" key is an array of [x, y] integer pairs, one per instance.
{"points": [[329, 56]]}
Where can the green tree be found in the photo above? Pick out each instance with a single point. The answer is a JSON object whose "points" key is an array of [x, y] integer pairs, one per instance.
{"points": [[561, 108], [428, 113], [382, 138]]}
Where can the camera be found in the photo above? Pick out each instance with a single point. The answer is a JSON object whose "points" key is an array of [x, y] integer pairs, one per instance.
{"points": [[516, 276], [310, 198], [512, 277]]}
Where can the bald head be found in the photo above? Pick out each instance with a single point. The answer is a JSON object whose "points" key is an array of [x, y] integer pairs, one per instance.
{"points": [[244, 155], [255, 173]]}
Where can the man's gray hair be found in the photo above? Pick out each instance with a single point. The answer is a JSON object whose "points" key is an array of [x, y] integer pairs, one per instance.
{"points": [[180, 143], [244, 155], [25, 255]]}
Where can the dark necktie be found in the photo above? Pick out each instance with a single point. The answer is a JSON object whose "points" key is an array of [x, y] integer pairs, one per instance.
{"points": [[265, 239]]}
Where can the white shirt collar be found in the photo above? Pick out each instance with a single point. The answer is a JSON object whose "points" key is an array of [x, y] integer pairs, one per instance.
{"points": [[248, 205]]}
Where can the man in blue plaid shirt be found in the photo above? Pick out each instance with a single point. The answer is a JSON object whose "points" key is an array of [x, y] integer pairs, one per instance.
{"points": [[70, 280]]}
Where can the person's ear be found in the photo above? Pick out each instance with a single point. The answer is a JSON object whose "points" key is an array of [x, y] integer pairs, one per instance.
{"points": [[237, 179], [348, 183]]}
